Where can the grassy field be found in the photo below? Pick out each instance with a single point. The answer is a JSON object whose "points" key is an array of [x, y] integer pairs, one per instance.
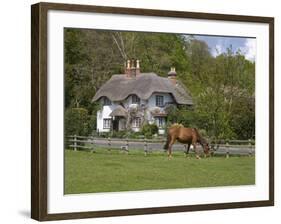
{"points": [[105, 171]]}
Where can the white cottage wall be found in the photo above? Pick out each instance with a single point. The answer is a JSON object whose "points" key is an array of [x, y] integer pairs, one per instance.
{"points": [[104, 114], [150, 103]]}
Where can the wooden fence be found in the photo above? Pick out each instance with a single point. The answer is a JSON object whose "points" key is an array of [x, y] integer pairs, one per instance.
{"points": [[226, 147]]}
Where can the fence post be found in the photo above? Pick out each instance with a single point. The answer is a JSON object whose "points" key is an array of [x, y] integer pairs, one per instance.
{"points": [[75, 143], [127, 143], [145, 147], [92, 144], [185, 150], [109, 144], [250, 147], [227, 149]]}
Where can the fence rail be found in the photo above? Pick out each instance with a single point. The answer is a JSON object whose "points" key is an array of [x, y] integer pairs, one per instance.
{"points": [[226, 147], [159, 140]]}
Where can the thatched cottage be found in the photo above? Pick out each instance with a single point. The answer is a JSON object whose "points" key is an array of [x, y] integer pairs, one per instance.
{"points": [[129, 100]]}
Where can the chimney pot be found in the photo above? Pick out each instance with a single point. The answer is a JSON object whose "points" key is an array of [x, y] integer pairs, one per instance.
{"points": [[132, 68], [127, 68], [172, 72], [172, 75]]}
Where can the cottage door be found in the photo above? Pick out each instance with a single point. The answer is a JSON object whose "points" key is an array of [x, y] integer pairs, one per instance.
{"points": [[115, 125]]}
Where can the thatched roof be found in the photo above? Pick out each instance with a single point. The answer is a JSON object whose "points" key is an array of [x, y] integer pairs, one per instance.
{"points": [[119, 111], [119, 87]]}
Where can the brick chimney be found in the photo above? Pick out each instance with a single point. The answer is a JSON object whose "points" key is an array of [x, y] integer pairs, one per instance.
{"points": [[132, 68], [172, 75], [128, 68]]}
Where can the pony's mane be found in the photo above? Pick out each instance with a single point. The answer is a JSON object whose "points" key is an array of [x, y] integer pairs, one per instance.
{"points": [[176, 125]]}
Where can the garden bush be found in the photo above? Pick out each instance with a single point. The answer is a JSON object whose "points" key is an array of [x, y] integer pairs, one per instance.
{"points": [[148, 130], [77, 122]]}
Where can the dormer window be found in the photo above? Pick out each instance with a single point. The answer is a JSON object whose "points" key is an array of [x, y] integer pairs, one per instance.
{"points": [[159, 101], [106, 101], [135, 99]]}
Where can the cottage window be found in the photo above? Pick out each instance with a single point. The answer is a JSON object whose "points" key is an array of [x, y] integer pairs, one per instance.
{"points": [[135, 99], [136, 122], [106, 123], [106, 101], [160, 122], [159, 101]]}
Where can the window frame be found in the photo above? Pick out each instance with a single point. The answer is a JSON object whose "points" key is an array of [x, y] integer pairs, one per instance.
{"points": [[135, 99], [104, 123], [106, 101], [136, 124], [157, 97]]}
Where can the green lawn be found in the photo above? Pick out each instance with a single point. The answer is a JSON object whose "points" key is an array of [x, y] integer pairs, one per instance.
{"points": [[106, 171]]}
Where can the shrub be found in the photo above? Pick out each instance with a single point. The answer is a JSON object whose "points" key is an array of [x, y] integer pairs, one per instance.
{"points": [[135, 135], [92, 123], [148, 130], [104, 134], [119, 134], [77, 122]]}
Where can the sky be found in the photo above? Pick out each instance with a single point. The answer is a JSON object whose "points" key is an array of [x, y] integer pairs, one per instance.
{"points": [[219, 44]]}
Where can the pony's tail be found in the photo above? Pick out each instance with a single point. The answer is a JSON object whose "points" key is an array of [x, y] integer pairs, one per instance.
{"points": [[167, 142]]}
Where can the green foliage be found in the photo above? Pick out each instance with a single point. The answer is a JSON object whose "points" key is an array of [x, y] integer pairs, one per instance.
{"points": [[105, 134], [77, 122], [223, 92], [119, 134], [135, 135], [92, 123], [148, 130], [222, 87], [243, 118], [182, 115]]}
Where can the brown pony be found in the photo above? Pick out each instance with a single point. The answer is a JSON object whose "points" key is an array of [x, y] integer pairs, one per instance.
{"points": [[186, 136]]}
